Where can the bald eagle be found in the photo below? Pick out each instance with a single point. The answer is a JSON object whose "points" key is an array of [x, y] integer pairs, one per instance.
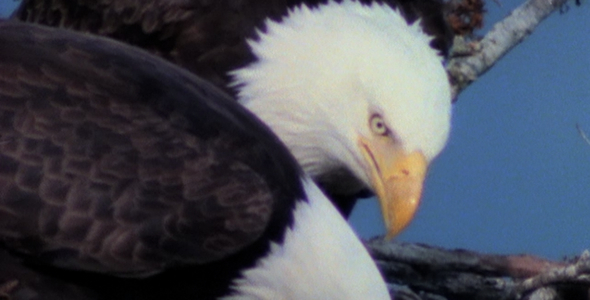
{"points": [[356, 90], [141, 181]]}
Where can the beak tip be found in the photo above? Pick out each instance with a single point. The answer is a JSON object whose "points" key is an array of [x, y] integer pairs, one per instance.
{"points": [[394, 230], [399, 216], [390, 235]]}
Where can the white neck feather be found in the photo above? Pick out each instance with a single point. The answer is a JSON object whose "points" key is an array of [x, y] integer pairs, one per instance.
{"points": [[320, 258]]}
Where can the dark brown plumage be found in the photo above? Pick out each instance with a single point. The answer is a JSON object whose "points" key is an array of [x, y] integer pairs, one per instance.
{"points": [[205, 37], [114, 162]]}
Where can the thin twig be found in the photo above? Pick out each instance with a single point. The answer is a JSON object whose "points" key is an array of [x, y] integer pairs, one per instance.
{"points": [[582, 133]]}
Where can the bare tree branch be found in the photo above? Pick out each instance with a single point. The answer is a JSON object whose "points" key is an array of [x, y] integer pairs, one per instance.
{"points": [[424, 272], [504, 36]]}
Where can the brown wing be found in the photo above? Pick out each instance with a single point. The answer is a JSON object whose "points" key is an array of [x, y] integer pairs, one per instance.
{"points": [[114, 161], [203, 36]]}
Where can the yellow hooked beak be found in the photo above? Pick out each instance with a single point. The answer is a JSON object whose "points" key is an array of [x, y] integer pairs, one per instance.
{"points": [[397, 178]]}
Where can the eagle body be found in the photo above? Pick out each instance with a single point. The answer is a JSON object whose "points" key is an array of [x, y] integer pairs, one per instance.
{"points": [[123, 176]]}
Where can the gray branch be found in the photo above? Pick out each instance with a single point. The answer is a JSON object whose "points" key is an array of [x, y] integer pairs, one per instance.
{"points": [[505, 35], [421, 272]]}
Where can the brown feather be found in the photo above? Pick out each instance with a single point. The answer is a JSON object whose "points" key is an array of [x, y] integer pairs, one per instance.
{"points": [[103, 169], [205, 37]]}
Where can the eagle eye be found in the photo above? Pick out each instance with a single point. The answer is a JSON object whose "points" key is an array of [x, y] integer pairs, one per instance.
{"points": [[378, 125]]}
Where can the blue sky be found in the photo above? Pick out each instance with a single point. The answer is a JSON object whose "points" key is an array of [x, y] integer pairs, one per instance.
{"points": [[515, 176]]}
